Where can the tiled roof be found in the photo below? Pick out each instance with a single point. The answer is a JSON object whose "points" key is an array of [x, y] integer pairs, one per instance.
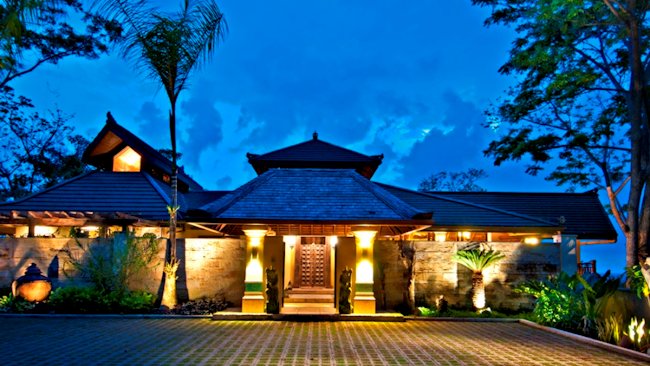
{"points": [[99, 192], [581, 214], [449, 213], [330, 195], [316, 153], [153, 156]]}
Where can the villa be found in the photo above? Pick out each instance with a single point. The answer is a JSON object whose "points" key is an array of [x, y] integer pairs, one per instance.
{"points": [[312, 211]]}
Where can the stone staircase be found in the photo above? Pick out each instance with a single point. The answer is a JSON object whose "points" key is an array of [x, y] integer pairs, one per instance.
{"points": [[308, 300]]}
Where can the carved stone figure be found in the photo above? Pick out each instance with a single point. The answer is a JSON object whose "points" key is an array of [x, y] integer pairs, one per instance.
{"points": [[272, 302], [345, 290]]}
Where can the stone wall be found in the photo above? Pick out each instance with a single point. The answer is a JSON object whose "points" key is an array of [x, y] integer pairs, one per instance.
{"points": [[437, 274], [208, 266]]}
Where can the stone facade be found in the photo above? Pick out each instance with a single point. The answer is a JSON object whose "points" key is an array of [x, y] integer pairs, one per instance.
{"points": [[437, 274], [208, 266]]}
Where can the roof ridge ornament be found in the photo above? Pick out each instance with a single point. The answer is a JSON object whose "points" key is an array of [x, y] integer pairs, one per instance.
{"points": [[315, 135]]}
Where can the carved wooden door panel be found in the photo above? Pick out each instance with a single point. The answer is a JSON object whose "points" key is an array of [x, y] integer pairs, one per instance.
{"points": [[312, 263]]}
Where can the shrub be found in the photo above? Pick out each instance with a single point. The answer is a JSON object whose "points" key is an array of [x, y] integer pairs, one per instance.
{"points": [[137, 302], [89, 300], [424, 311], [201, 306], [570, 302], [610, 329], [79, 300]]}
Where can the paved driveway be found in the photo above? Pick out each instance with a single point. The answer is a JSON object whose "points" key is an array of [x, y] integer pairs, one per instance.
{"points": [[74, 341]]}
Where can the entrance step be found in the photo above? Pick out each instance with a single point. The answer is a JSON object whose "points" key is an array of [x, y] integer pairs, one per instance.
{"points": [[309, 298], [310, 290]]}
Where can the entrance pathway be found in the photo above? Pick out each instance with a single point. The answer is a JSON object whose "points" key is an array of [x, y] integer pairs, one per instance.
{"points": [[108, 341]]}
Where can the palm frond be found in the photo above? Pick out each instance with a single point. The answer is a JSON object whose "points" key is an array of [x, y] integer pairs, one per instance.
{"points": [[478, 259]]}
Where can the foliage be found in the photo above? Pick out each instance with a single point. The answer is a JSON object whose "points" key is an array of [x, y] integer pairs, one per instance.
{"points": [[637, 282], [36, 151], [610, 329], [201, 306], [570, 302], [559, 301], [10, 304], [169, 48], [454, 181], [428, 312], [90, 300], [111, 270], [580, 102], [477, 259], [637, 333], [33, 33]]}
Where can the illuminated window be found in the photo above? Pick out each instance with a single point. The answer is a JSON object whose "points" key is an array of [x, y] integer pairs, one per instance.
{"points": [[126, 160]]}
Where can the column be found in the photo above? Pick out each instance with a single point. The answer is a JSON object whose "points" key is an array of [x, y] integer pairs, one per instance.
{"points": [[364, 297], [568, 254], [253, 300]]}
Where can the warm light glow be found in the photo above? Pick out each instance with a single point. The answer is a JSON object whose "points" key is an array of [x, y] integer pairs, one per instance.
{"points": [[441, 236], [466, 235], [364, 271], [334, 240], [255, 237], [254, 271], [127, 160], [365, 238], [90, 228], [290, 240], [531, 240], [44, 230]]}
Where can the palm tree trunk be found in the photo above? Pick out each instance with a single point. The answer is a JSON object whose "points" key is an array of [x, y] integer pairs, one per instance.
{"points": [[478, 290], [169, 297]]}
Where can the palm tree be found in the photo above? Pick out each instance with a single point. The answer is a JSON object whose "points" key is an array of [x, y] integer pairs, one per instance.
{"points": [[168, 47], [477, 260]]}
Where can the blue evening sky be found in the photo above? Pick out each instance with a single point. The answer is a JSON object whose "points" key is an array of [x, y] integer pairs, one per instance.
{"points": [[407, 79]]}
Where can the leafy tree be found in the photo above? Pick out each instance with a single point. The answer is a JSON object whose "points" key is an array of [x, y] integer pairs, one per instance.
{"points": [[581, 101], [35, 32], [169, 47], [454, 181], [35, 151], [477, 260]]}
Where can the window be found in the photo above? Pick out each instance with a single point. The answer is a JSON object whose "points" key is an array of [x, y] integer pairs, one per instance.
{"points": [[126, 160]]}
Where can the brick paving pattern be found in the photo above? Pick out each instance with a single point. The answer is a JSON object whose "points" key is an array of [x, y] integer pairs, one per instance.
{"points": [[97, 341]]}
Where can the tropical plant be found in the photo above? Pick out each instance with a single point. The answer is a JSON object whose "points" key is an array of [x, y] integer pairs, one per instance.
{"points": [[477, 260], [559, 302], [610, 329], [571, 302], [111, 269], [637, 281], [169, 48], [637, 333]]}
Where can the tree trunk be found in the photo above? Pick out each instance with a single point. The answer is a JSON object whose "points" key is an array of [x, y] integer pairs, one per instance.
{"points": [[478, 291], [169, 298]]}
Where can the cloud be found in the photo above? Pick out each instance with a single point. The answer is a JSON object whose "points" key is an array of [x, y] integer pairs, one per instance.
{"points": [[201, 124]]}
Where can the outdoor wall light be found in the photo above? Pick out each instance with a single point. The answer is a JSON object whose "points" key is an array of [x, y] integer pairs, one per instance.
{"points": [[364, 272], [334, 240], [464, 235], [365, 238], [290, 240], [254, 271], [441, 236], [531, 240]]}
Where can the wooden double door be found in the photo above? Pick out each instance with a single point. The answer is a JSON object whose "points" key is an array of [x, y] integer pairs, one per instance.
{"points": [[312, 267]]}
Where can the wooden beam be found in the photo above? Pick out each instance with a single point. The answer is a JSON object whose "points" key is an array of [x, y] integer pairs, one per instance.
{"points": [[205, 228]]}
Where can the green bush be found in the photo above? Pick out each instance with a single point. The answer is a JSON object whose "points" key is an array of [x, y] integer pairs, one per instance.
{"points": [[424, 311], [570, 302], [137, 302], [201, 306], [88, 300], [638, 284]]}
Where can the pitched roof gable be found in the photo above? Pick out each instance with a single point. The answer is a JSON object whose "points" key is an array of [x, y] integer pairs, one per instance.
{"points": [[318, 154], [324, 195], [113, 135]]}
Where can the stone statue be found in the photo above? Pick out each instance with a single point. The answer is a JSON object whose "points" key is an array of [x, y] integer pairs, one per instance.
{"points": [[345, 290], [272, 303]]}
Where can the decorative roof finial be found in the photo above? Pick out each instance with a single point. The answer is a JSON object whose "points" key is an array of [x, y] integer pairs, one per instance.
{"points": [[109, 118], [315, 135]]}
